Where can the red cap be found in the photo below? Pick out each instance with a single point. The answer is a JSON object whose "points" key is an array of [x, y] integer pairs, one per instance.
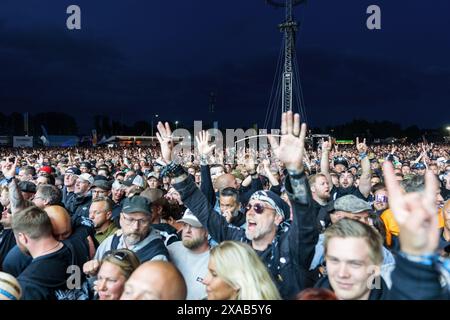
{"points": [[46, 169]]}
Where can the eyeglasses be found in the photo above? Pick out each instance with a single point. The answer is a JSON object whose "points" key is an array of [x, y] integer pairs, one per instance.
{"points": [[257, 207], [140, 222]]}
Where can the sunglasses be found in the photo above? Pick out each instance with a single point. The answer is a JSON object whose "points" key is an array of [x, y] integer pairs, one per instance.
{"points": [[379, 198], [257, 207], [119, 255]]}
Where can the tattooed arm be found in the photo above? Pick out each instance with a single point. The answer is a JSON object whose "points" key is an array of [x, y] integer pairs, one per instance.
{"points": [[15, 196]]}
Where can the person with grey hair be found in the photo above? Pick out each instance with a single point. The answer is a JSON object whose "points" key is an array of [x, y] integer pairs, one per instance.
{"points": [[47, 195]]}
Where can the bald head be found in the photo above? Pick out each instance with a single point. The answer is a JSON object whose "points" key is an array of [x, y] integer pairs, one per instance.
{"points": [[155, 280], [60, 218], [226, 180]]}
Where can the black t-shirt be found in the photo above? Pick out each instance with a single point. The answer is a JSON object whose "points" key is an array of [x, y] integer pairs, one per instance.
{"points": [[7, 242], [16, 261], [340, 192], [45, 275]]}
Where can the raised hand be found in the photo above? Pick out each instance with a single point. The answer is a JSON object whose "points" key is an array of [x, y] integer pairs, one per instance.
{"points": [[9, 168], [415, 213], [361, 147], [292, 143], [327, 145], [164, 136], [203, 147]]}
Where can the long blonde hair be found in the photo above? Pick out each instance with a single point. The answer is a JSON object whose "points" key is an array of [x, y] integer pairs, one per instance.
{"points": [[239, 266]]}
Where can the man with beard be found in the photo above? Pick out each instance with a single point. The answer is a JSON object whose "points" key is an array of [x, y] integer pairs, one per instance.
{"points": [[287, 251], [230, 207], [136, 235], [320, 190], [191, 255], [346, 179]]}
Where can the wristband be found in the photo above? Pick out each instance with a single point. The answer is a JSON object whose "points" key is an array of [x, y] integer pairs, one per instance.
{"points": [[362, 155], [172, 170], [203, 160]]}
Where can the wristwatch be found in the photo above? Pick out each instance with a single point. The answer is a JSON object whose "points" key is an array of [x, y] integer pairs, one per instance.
{"points": [[173, 170]]}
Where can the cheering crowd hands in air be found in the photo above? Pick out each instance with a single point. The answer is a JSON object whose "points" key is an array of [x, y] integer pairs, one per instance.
{"points": [[289, 150], [415, 213]]}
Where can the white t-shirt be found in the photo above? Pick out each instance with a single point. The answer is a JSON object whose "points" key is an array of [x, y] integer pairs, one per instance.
{"points": [[192, 266]]}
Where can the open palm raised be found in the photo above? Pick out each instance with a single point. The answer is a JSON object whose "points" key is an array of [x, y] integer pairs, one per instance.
{"points": [[292, 143]]}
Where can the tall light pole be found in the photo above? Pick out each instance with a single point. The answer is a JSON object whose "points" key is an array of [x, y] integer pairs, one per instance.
{"points": [[153, 117], [176, 124]]}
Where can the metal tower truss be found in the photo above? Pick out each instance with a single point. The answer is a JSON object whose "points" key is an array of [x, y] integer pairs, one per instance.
{"points": [[291, 91]]}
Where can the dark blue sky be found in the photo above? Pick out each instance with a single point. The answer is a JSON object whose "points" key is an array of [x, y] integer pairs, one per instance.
{"points": [[136, 58]]}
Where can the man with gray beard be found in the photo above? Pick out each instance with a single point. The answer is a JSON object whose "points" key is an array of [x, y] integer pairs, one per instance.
{"points": [[191, 255], [136, 235]]}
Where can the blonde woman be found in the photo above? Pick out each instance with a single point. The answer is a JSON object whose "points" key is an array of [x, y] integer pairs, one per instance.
{"points": [[235, 272], [115, 269], [9, 287]]}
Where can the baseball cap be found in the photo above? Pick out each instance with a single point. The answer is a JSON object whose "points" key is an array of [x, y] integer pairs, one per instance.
{"points": [[153, 175], [117, 185], [351, 204], [340, 160], [85, 164], [102, 184], [27, 186], [190, 219], [73, 170], [134, 180], [136, 204], [86, 177], [46, 169]]}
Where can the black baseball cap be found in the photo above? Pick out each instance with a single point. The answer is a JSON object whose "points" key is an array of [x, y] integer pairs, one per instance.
{"points": [[136, 204]]}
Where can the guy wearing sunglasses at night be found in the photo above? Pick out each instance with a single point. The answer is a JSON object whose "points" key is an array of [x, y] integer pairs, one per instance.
{"points": [[286, 251]]}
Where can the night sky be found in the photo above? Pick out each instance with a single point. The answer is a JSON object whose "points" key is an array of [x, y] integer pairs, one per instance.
{"points": [[136, 58]]}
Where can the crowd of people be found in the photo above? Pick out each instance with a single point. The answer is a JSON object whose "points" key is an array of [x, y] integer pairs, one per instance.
{"points": [[351, 222]]}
